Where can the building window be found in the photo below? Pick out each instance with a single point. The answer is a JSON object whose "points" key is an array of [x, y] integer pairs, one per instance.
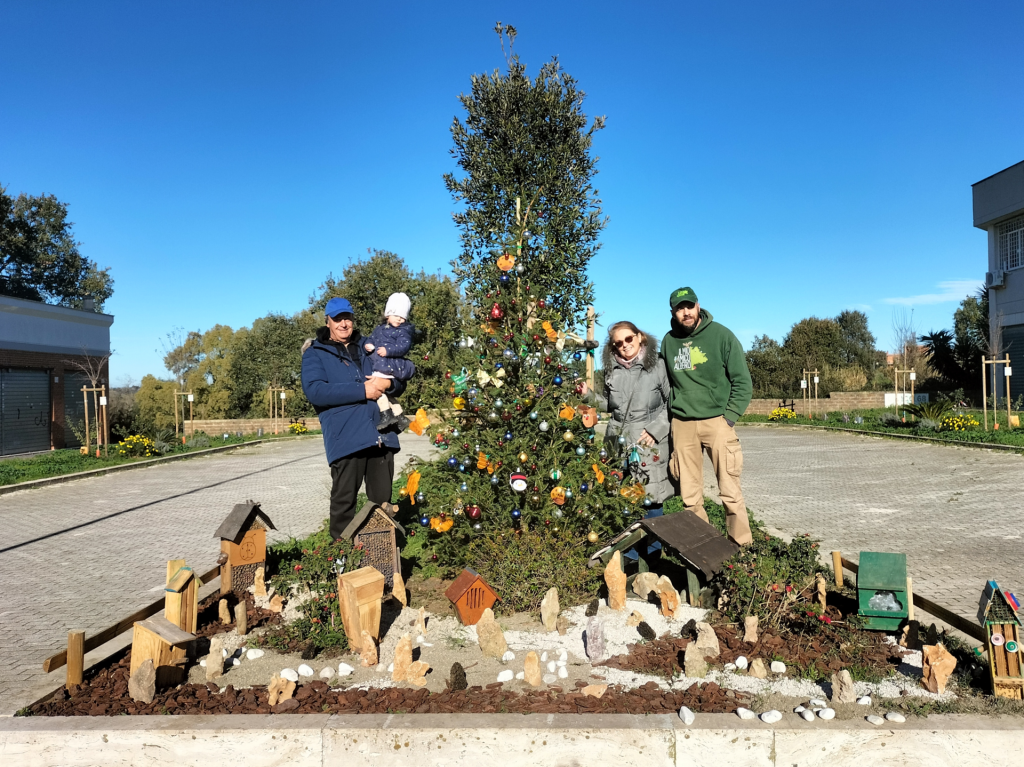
{"points": [[1011, 244]]}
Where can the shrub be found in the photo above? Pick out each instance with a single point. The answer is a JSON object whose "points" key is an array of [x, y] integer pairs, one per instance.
{"points": [[522, 566], [781, 414], [890, 419], [198, 440], [297, 428], [927, 424], [959, 422], [136, 446], [308, 568], [934, 411]]}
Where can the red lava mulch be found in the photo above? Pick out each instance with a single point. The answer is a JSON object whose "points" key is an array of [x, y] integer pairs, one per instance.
{"points": [[865, 649], [208, 621], [106, 694]]}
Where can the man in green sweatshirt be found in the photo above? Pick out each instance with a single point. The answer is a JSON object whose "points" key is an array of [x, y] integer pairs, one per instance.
{"points": [[711, 389]]}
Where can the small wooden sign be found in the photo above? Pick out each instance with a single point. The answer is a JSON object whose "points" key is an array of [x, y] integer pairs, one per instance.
{"points": [[251, 549], [359, 598]]}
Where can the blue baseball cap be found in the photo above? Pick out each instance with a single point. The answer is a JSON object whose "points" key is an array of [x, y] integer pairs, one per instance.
{"points": [[338, 306]]}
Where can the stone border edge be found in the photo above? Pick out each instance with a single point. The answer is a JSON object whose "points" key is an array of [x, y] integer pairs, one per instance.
{"points": [[34, 483], [912, 437]]}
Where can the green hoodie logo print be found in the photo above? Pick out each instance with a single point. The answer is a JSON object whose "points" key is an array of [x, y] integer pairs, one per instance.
{"points": [[688, 357]]}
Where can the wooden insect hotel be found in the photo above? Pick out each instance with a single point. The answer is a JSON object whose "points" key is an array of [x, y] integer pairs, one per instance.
{"points": [[360, 593], [470, 595], [243, 546], [164, 638], [997, 612], [373, 527]]}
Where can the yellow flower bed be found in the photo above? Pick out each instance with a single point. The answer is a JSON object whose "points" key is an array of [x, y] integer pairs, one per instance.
{"points": [[297, 428], [136, 446], [781, 414], [963, 422]]}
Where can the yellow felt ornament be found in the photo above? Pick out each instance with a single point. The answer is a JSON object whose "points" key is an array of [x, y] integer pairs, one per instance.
{"points": [[411, 485], [441, 526], [634, 492], [566, 413], [558, 496], [420, 422], [506, 262], [459, 403], [549, 331], [598, 474]]}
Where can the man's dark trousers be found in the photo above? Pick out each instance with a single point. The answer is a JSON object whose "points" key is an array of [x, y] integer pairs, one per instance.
{"points": [[376, 465]]}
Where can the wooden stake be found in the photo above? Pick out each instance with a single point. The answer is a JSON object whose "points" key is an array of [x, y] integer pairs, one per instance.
{"points": [[1006, 379], [85, 401], [984, 392], [837, 565], [910, 598], [76, 657]]}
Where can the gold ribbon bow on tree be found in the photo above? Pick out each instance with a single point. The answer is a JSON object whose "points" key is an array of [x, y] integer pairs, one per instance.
{"points": [[634, 492], [484, 378]]}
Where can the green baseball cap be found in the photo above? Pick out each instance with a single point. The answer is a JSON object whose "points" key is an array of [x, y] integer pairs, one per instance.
{"points": [[681, 295]]}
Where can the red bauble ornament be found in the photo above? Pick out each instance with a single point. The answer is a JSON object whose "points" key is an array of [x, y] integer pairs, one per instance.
{"points": [[501, 443], [542, 303], [498, 465], [533, 467], [508, 336], [518, 408], [547, 521], [473, 512], [433, 557], [496, 312], [426, 357], [448, 375], [476, 409], [465, 446], [547, 361], [488, 295], [536, 489], [412, 533], [513, 302], [536, 338], [533, 448], [443, 514]]}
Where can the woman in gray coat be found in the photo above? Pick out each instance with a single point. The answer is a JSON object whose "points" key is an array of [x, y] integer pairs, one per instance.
{"points": [[636, 395]]}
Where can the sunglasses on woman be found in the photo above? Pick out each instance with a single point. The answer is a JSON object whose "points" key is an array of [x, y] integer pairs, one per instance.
{"points": [[622, 342]]}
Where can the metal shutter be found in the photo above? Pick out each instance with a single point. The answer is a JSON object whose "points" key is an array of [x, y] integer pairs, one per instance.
{"points": [[24, 411], [74, 408]]}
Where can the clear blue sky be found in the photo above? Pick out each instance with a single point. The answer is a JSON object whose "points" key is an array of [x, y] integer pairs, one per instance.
{"points": [[784, 159]]}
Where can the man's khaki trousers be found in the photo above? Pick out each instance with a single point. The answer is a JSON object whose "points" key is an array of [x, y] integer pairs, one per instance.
{"points": [[689, 441]]}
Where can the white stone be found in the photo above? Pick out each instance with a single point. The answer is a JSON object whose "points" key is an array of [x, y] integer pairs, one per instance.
{"points": [[875, 720], [730, 667], [326, 672], [563, 672], [344, 669], [509, 655], [544, 657], [305, 670], [778, 667], [380, 668], [771, 717], [742, 662], [224, 652], [827, 713], [561, 663], [202, 663], [521, 675], [290, 674], [807, 716], [687, 716], [236, 662], [817, 702], [426, 644], [506, 675], [552, 666], [421, 638], [892, 716], [549, 679], [864, 700], [254, 654], [745, 713], [799, 710], [563, 655], [391, 667]]}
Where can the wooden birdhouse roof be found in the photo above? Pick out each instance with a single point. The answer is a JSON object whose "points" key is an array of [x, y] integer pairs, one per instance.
{"points": [[243, 517], [369, 512], [464, 583], [698, 543], [997, 606]]}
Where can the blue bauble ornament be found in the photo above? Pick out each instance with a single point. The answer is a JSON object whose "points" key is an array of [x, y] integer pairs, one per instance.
{"points": [[557, 380], [495, 480], [581, 450], [462, 467], [509, 353], [453, 462], [584, 487], [499, 402], [534, 415], [508, 436], [516, 513], [455, 432], [503, 279], [472, 391], [647, 502], [498, 366], [463, 488], [424, 521], [577, 356]]}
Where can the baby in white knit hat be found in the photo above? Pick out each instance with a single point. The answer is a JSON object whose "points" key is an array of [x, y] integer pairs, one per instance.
{"points": [[388, 344]]}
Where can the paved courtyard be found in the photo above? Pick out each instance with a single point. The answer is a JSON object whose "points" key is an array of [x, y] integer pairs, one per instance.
{"points": [[85, 554], [956, 512]]}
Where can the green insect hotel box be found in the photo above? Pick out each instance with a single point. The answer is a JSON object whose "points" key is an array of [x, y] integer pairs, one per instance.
{"points": [[882, 590]]}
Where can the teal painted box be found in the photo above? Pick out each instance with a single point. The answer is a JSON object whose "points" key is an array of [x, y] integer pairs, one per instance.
{"points": [[882, 590]]}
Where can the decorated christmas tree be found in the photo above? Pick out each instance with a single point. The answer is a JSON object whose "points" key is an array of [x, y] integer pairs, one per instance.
{"points": [[520, 449]]}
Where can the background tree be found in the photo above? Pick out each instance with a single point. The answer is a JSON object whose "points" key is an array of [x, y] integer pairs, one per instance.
{"points": [[771, 369], [522, 138], [210, 377], [856, 342], [270, 354], [956, 354], [155, 402], [39, 258]]}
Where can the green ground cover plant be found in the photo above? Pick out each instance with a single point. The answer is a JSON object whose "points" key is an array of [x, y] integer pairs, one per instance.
{"points": [[58, 463]]}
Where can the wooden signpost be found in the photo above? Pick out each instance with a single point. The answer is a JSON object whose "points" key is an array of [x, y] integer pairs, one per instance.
{"points": [[277, 395], [191, 399], [99, 408], [805, 387], [913, 377], [1007, 372]]}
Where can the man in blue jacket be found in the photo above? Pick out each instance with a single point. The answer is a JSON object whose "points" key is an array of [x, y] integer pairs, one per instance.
{"points": [[337, 379]]}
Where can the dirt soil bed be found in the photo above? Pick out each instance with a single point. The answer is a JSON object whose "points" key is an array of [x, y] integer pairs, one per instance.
{"points": [[816, 656], [106, 694]]}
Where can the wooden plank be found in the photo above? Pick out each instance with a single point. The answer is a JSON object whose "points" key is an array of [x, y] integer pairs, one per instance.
{"points": [[999, 653], [956, 621], [167, 631], [1012, 658], [125, 624], [180, 580], [837, 567], [76, 657]]}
